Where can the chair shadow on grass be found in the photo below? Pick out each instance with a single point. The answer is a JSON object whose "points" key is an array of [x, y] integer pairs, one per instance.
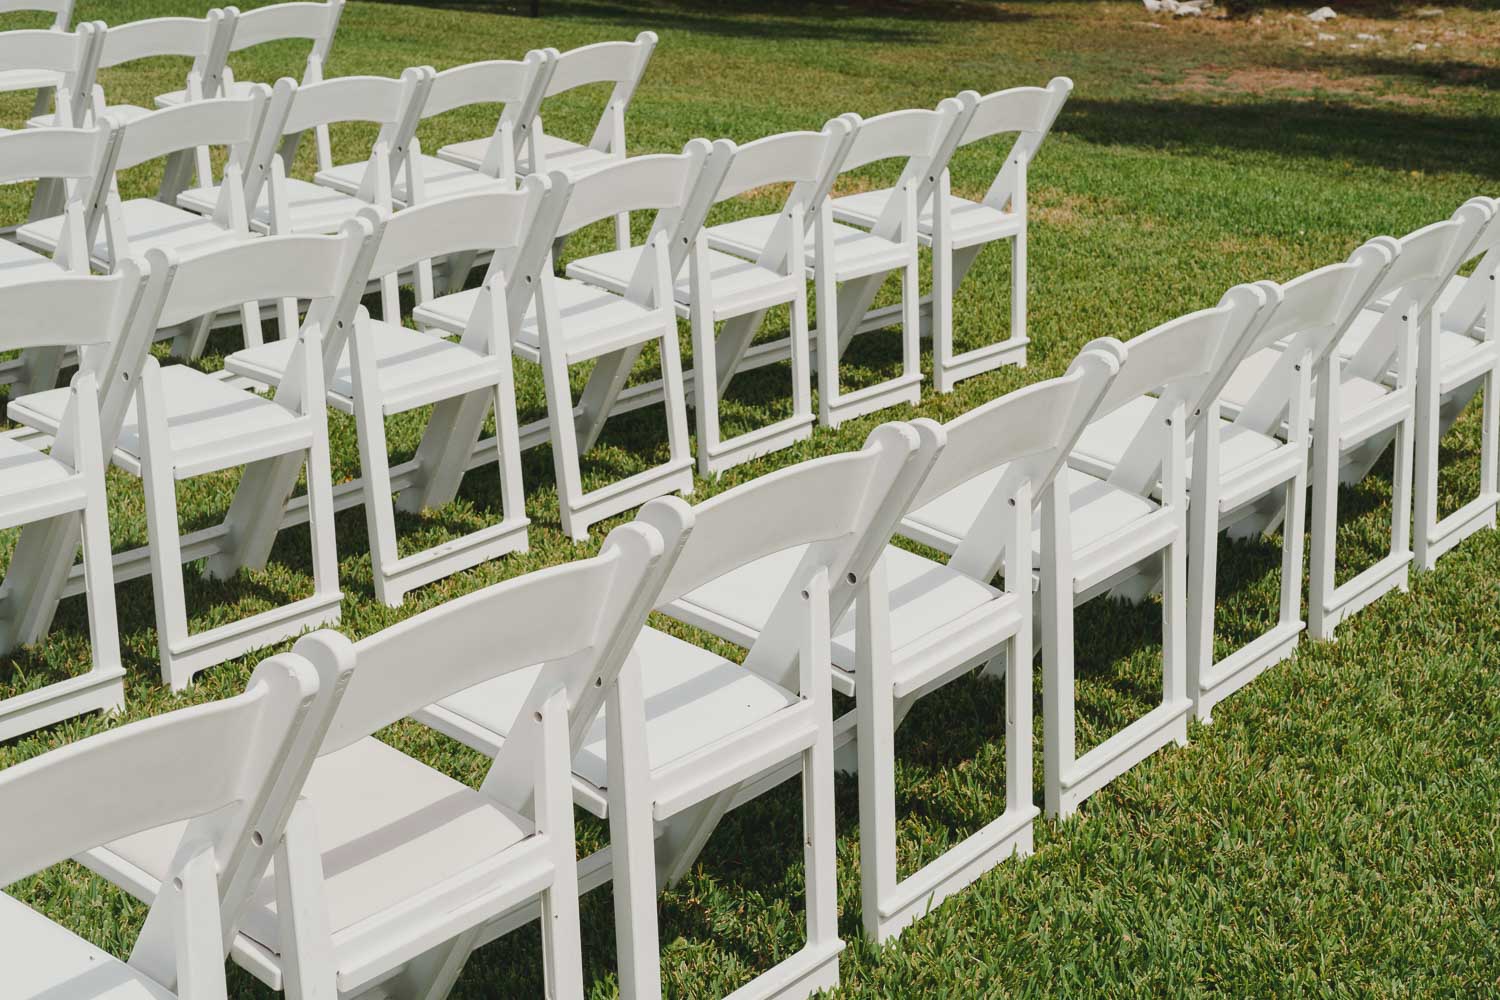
{"points": [[745, 19], [1396, 139]]}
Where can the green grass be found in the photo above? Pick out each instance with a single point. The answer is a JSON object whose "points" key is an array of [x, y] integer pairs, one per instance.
{"points": [[1333, 832]]}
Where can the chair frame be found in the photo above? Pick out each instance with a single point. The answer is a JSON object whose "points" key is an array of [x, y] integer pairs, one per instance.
{"points": [[55, 516], [243, 758], [1029, 111]]}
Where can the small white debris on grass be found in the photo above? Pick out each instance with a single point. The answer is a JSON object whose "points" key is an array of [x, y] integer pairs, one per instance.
{"points": [[1418, 47], [1322, 14], [1324, 36], [1430, 12], [1367, 38]]}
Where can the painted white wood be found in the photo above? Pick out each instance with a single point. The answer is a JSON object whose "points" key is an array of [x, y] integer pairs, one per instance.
{"points": [[686, 730], [205, 40], [57, 499], [958, 228], [215, 811], [379, 368], [298, 21], [134, 226], [58, 64], [518, 85], [716, 287], [847, 264], [572, 322], [621, 64], [173, 423], [71, 164], [389, 868]]}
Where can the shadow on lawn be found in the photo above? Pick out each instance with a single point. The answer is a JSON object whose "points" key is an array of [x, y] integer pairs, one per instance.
{"points": [[778, 19], [1405, 140]]}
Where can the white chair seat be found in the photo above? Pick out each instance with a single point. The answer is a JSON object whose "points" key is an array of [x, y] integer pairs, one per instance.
{"points": [[440, 179], [595, 321], [18, 263], [390, 828], [973, 221], [42, 960], [29, 79], [924, 596], [204, 415], [1355, 396], [1103, 443], [405, 360], [148, 223], [311, 207], [1098, 509], [23, 468], [735, 283], [557, 153], [855, 252], [122, 114], [692, 698], [240, 88]]}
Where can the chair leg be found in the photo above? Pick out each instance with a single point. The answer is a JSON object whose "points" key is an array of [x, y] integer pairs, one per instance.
{"points": [[380, 517], [1018, 288], [564, 435], [99, 578], [942, 314], [1425, 473], [820, 861], [34, 580], [827, 291], [1202, 580], [632, 847], [1401, 491], [442, 455], [166, 563], [875, 711]]}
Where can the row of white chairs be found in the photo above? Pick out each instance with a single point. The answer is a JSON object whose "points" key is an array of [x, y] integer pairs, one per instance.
{"points": [[1115, 477]]}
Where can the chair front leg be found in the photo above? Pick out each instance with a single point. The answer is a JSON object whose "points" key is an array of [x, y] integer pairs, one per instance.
{"points": [[876, 741], [160, 484], [631, 838]]}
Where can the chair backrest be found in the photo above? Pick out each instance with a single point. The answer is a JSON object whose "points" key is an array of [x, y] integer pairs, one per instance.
{"points": [[799, 158], [925, 138], [841, 508], [68, 310], [496, 221], [1429, 258], [74, 54], [517, 84], [313, 268], [214, 765], [1027, 435], [678, 187], [205, 40], [1316, 310], [392, 103], [602, 62], [620, 63], [233, 122], [1031, 429], [313, 22], [1469, 305], [84, 160], [1027, 111], [577, 620], [1186, 362], [61, 10]]}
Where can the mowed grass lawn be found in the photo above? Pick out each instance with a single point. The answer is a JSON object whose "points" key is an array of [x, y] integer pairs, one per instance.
{"points": [[1333, 832]]}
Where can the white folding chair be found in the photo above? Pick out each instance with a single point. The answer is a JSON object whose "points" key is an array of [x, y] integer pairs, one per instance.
{"points": [[205, 40], [1366, 400], [300, 21], [292, 205], [379, 368], [54, 498], [218, 775], [76, 162], [957, 229], [720, 287], [517, 84], [1249, 469], [572, 322], [919, 624], [175, 423], [1458, 355], [848, 265], [389, 870], [686, 732], [619, 63], [1122, 533], [58, 64]]}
